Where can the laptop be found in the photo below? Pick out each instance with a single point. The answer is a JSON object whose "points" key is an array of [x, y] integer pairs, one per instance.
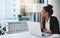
{"points": [[35, 29]]}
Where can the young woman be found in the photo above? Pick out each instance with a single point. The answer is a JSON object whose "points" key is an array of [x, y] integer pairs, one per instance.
{"points": [[49, 23]]}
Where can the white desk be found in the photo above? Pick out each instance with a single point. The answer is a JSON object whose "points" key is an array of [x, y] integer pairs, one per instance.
{"points": [[23, 35]]}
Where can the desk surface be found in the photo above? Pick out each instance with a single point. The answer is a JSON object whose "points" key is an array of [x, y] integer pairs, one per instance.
{"points": [[24, 35]]}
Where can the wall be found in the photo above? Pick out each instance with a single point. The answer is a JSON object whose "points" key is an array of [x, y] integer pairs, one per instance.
{"points": [[2, 8], [12, 7], [59, 10], [56, 7], [2, 11], [27, 1]]}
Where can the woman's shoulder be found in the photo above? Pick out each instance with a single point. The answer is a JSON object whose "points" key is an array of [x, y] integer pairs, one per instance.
{"points": [[53, 17]]}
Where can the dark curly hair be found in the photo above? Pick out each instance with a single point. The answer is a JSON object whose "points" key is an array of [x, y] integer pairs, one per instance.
{"points": [[48, 9]]}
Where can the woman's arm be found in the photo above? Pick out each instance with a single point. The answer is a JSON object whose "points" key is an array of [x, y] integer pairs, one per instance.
{"points": [[42, 24], [47, 31], [54, 25], [41, 20]]}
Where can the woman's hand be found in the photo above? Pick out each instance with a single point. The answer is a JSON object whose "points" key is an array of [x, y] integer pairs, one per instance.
{"points": [[47, 31]]}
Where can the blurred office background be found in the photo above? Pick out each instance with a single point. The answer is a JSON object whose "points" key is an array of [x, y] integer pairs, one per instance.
{"points": [[30, 9]]}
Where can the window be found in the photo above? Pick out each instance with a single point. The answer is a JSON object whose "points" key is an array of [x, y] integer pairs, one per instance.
{"points": [[41, 1]]}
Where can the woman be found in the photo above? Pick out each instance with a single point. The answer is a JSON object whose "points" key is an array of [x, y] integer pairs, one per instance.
{"points": [[49, 23]]}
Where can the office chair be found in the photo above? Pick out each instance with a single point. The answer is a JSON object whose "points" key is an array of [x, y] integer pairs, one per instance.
{"points": [[2, 30]]}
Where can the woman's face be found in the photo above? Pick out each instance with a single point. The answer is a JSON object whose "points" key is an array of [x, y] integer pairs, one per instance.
{"points": [[44, 13]]}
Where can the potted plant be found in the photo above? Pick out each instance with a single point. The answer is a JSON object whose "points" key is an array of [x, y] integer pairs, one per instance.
{"points": [[19, 17]]}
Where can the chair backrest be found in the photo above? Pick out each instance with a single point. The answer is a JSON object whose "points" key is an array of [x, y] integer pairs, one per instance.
{"points": [[2, 30]]}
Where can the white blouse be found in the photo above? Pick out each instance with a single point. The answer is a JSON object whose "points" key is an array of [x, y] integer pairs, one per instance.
{"points": [[47, 24]]}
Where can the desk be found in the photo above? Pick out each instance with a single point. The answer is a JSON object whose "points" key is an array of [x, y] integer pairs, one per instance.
{"points": [[23, 35]]}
